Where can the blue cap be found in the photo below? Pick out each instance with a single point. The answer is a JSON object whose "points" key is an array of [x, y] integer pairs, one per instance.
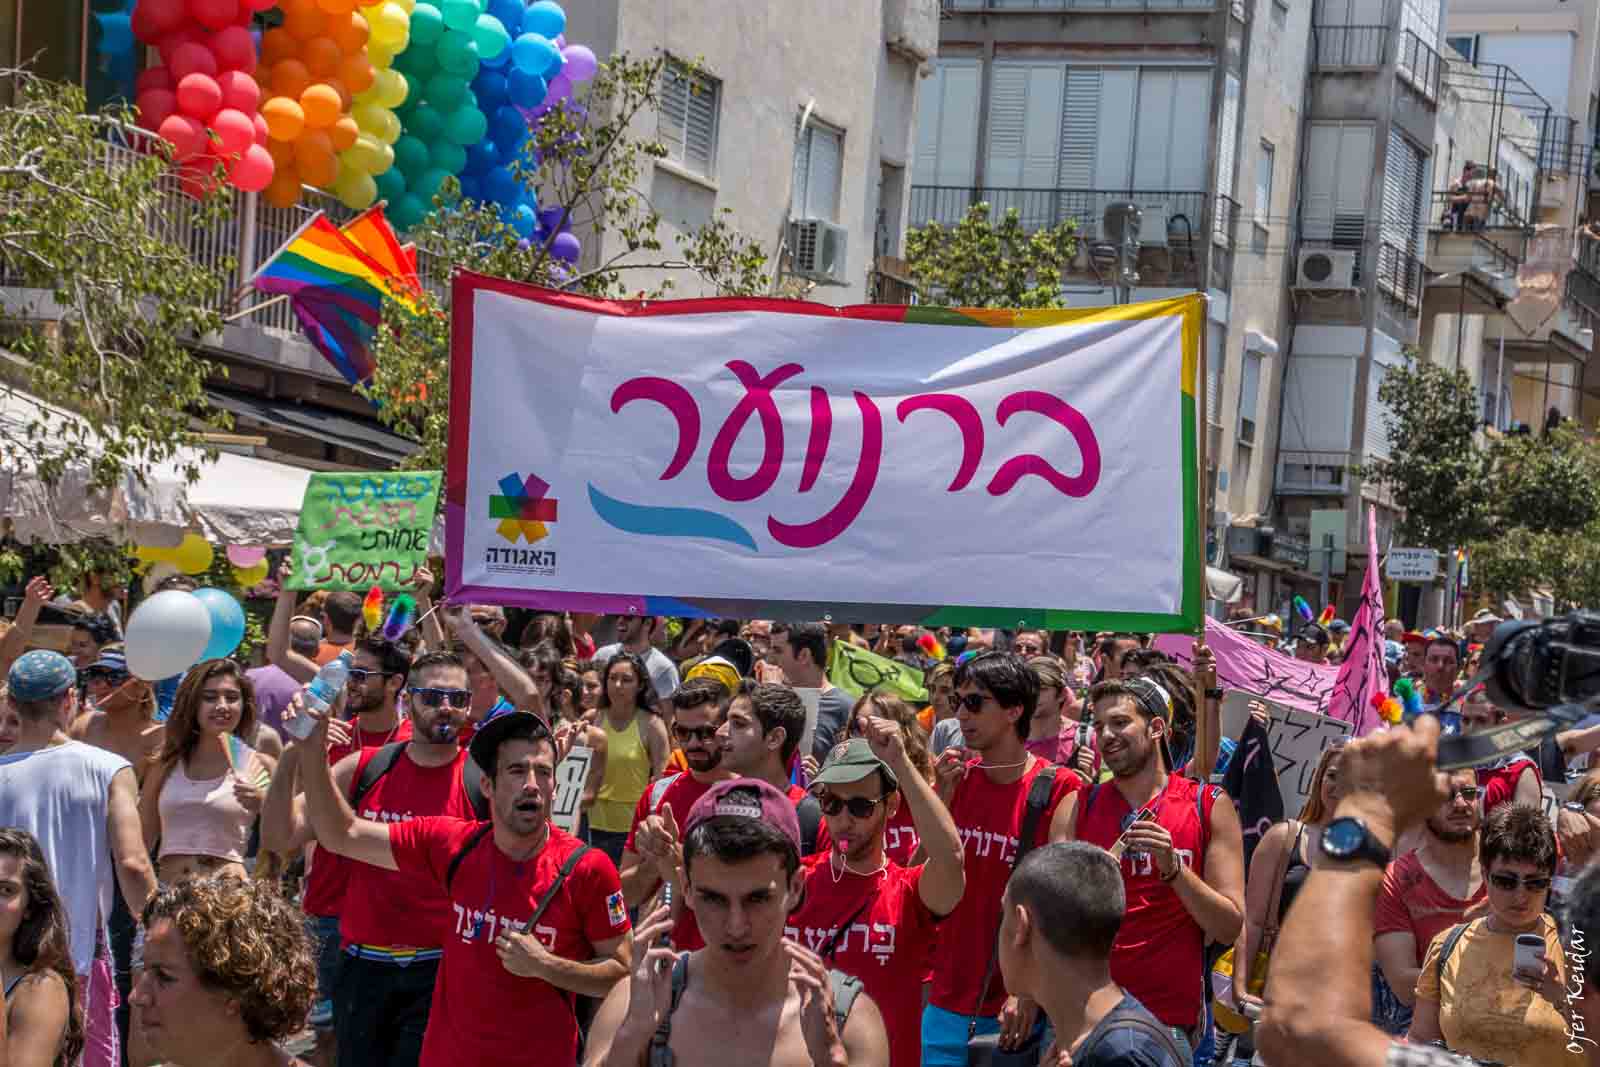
{"points": [[40, 675], [111, 659], [1393, 651]]}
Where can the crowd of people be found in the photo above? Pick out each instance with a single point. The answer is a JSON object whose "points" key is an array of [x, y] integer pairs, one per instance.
{"points": [[1036, 863]]}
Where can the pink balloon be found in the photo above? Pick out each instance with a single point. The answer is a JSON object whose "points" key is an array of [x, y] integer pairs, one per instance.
{"points": [[199, 96], [154, 106], [176, 39], [193, 58], [145, 28], [214, 14], [186, 135], [154, 78], [253, 171], [234, 133], [246, 556], [239, 91], [235, 49], [262, 133], [162, 16]]}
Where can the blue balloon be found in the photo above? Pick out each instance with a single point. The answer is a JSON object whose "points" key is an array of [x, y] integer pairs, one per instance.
{"points": [[524, 89], [509, 12], [522, 220], [566, 247], [227, 622], [481, 158], [501, 186], [490, 87], [471, 186], [507, 126], [116, 32], [534, 53], [545, 18]]}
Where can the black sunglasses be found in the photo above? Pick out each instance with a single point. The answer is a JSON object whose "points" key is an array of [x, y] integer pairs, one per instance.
{"points": [[101, 674], [357, 674], [685, 734], [1509, 882], [973, 702], [860, 807], [432, 698]]}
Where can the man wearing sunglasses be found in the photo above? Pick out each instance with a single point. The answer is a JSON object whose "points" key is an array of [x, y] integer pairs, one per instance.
{"points": [[862, 912], [1426, 891], [533, 917], [393, 924], [121, 718]]}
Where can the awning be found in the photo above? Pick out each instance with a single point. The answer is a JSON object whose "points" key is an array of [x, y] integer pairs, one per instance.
{"points": [[1220, 585], [323, 424], [238, 499]]}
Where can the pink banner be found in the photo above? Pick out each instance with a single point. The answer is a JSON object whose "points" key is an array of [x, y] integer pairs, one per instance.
{"points": [[1362, 673]]}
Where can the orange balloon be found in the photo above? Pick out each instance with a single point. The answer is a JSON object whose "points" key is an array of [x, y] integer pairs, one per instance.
{"points": [[337, 7], [350, 31], [322, 106], [322, 57], [313, 154], [343, 133], [282, 153], [290, 78], [346, 101], [303, 21], [285, 188], [285, 119], [276, 46], [356, 73]]}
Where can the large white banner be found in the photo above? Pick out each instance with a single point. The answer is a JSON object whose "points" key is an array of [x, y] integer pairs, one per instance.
{"points": [[781, 459]]}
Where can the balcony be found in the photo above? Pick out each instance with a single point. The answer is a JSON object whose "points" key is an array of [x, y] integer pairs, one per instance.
{"points": [[1349, 47], [1314, 473], [1419, 66], [1180, 227], [1558, 302], [1475, 247], [949, 7], [1401, 275]]}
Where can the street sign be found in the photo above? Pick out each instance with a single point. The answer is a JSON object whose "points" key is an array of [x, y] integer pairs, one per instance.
{"points": [[1412, 564]]}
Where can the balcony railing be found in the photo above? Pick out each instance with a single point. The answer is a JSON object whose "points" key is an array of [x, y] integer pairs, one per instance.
{"points": [[1400, 274], [1186, 216], [1314, 473], [1419, 66], [952, 6], [1474, 211], [1582, 292], [1350, 47]]}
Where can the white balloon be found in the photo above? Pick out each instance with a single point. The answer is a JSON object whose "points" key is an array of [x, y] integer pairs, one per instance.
{"points": [[166, 635]]}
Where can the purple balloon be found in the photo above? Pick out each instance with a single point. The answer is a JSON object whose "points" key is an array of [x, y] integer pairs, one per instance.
{"points": [[550, 218], [566, 247], [581, 63], [561, 40], [524, 244], [560, 88]]}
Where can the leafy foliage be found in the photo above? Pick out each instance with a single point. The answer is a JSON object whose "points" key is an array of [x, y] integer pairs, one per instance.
{"points": [[588, 160], [982, 263]]}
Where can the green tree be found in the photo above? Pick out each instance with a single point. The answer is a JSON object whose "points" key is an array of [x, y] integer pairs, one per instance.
{"points": [[1547, 483], [982, 263], [588, 160], [94, 230]]}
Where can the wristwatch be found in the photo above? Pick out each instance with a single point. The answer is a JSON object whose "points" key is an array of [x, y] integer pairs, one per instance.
{"points": [[1214, 694], [1573, 805], [1347, 838]]}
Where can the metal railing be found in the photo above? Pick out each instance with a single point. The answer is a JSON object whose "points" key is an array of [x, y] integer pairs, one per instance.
{"points": [[1582, 291], [1039, 209], [1224, 235], [1589, 255], [1350, 47], [1314, 473], [1419, 65], [1473, 211], [1400, 274], [951, 6]]}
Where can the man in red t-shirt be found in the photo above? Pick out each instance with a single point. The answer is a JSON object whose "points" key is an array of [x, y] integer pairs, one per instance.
{"points": [[393, 924], [985, 786], [759, 739], [1180, 849], [377, 678], [862, 912], [1429, 889], [534, 916]]}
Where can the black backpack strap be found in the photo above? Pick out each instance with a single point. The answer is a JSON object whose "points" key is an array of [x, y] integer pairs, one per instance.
{"points": [[472, 782], [660, 1053], [1132, 1021], [809, 812], [555, 887], [846, 987], [471, 843], [381, 763], [1456, 933]]}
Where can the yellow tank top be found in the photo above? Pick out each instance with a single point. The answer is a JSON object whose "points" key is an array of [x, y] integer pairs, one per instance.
{"points": [[627, 777]]}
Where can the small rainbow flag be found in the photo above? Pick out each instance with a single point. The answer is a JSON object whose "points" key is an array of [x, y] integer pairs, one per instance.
{"points": [[242, 758], [370, 231]]}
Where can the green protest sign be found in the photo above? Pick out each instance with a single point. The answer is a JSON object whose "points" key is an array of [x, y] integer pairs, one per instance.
{"points": [[858, 672], [366, 529]]}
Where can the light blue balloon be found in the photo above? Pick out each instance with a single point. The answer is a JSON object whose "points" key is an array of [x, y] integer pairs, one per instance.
{"points": [[116, 32], [523, 220], [545, 18], [227, 622], [533, 52]]}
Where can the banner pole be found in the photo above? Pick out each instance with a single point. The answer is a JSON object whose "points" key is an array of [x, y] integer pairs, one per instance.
{"points": [[1203, 742]]}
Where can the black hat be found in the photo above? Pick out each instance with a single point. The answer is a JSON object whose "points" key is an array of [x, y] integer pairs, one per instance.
{"points": [[1312, 634], [485, 747], [737, 651]]}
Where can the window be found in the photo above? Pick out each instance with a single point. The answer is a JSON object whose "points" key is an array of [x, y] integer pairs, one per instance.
{"points": [[1465, 47], [686, 120], [947, 126], [818, 158], [1264, 163], [1249, 396]]}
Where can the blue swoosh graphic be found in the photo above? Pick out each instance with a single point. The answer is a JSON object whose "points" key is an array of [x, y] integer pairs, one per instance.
{"points": [[669, 522]]}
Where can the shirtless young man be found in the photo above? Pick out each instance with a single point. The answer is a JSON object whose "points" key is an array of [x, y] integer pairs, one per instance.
{"points": [[750, 996], [122, 711]]}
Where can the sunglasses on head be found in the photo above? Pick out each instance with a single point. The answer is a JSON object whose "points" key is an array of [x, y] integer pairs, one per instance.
{"points": [[432, 698], [973, 702], [685, 734], [1510, 882], [859, 807]]}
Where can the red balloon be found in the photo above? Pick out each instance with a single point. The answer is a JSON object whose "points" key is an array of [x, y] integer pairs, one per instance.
{"points": [[235, 49], [239, 91], [154, 78], [192, 58], [214, 14], [145, 28], [186, 135], [260, 124], [178, 38], [162, 16], [234, 133], [154, 106], [199, 96], [253, 171], [197, 178], [260, 5]]}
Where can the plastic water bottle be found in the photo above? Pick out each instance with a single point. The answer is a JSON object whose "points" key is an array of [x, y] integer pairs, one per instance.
{"points": [[321, 693]]}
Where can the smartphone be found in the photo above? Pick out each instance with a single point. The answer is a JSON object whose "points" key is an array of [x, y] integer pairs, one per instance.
{"points": [[1529, 959], [1121, 845]]}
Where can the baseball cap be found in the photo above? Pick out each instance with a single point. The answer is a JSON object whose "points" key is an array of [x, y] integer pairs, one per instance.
{"points": [[40, 675], [1271, 622], [485, 747], [737, 653], [1338, 626], [744, 798], [1485, 616], [1313, 633], [851, 762], [111, 660], [717, 668], [1157, 703], [1413, 637], [1393, 651]]}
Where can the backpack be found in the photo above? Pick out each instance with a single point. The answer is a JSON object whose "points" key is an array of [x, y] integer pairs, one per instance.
{"points": [[383, 761], [845, 990], [1132, 1020]]}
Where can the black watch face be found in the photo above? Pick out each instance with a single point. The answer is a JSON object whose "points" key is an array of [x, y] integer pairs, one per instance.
{"points": [[1343, 837]]}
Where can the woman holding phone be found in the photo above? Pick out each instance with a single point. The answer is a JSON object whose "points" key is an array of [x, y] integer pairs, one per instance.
{"points": [[1495, 987]]}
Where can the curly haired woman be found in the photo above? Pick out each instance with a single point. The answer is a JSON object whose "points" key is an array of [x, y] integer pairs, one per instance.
{"points": [[228, 974]]}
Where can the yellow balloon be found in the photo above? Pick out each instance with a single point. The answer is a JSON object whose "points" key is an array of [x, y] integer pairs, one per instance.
{"points": [[154, 554], [407, 5], [389, 89], [380, 56], [365, 156], [249, 576], [388, 130], [194, 555], [390, 25], [355, 190]]}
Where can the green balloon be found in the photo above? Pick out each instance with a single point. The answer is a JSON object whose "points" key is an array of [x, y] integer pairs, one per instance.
{"points": [[457, 53], [410, 156], [466, 125], [460, 14], [426, 123], [427, 185], [447, 156], [447, 92], [427, 25], [491, 36], [391, 183]]}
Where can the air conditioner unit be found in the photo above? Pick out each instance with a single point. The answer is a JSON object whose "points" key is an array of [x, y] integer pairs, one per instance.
{"points": [[818, 247], [1244, 541], [1324, 268], [1153, 228]]}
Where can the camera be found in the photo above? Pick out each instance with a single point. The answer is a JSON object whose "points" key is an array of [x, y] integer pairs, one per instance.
{"points": [[1537, 665]]}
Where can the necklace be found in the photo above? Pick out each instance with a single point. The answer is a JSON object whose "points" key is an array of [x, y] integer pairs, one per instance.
{"points": [[361, 733], [839, 867], [1002, 766]]}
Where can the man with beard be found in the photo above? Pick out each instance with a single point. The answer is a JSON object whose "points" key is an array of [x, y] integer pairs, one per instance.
{"points": [[533, 916], [759, 737], [651, 854], [1180, 849], [1441, 666], [393, 923], [862, 912], [1426, 891], [988, 787]]}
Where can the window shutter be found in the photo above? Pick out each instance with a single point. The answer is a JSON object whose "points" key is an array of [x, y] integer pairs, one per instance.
{"points": [[1375, 435], [947, 136], [672, 111], [700, 147], [1217, 338], [1008, 119], [1228, 131], [1080, 127], [1249, 396], [823, 162]]}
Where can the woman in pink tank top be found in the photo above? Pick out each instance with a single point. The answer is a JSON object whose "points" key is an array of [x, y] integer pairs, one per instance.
{"points": [[205, 789]]}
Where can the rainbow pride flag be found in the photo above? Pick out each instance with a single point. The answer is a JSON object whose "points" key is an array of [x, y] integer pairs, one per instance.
{"points": [[242, 758], [371, 233]]}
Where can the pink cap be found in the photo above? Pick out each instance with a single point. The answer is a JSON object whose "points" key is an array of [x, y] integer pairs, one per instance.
{"points": [[747, 798]]}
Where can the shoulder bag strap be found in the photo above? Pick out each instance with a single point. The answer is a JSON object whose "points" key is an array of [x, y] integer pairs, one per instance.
{"points": [[1449, 946], [660, 1053], [831, 945], [1269, 929], [471, 843], [1161, 1033], [555, 887], [846, 987]]}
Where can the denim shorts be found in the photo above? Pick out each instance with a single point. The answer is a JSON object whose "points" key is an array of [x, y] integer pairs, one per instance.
{"points": [[324, 931], [944, 1036]]}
